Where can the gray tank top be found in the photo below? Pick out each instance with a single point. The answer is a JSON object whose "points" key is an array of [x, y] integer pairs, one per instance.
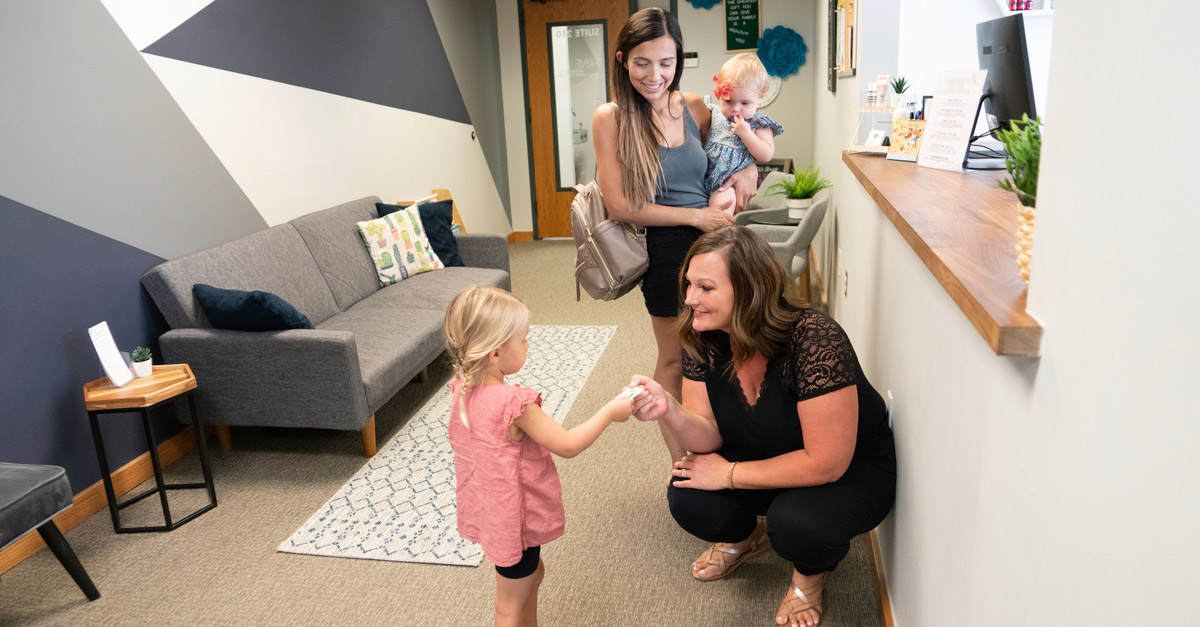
{"points": [[683, 169]]}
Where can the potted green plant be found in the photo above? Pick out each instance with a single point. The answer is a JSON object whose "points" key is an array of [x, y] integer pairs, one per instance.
{"points": [[143, 365], [899, 85], [1023, 143], [800, 189]]}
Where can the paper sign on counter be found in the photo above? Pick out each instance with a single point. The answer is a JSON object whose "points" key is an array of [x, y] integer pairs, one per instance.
{"points": [[951, 121]]}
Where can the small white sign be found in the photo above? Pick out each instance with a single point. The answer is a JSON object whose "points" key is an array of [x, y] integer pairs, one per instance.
{"points": [[951, 121], [110, 358]]}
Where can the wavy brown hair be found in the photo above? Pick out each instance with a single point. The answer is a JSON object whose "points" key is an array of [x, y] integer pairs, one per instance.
{"points": [[637, 138], [766, 303]]}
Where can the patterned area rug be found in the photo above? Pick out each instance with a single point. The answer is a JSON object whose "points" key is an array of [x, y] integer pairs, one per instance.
{"points": [[400, 507]]}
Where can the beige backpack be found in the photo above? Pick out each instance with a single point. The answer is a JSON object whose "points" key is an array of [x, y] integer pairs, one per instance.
{"points": [[610, 256]]}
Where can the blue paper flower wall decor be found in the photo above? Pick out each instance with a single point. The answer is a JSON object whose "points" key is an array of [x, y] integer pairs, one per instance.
{"points": [[704, 4], [781, 51]]}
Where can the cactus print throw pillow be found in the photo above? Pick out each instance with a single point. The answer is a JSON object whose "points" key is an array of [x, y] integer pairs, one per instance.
{"points": [[398, 245]]}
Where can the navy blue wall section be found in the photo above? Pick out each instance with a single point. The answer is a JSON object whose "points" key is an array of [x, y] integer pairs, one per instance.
{"points": [[383, 51], [56, 280]]}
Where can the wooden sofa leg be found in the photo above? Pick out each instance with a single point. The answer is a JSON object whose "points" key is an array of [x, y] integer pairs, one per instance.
{"points": [[423, 375], [224, 438], [368, 437]]}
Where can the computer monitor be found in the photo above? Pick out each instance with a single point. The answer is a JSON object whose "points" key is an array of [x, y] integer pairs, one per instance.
{"points": [[1008, 90]]}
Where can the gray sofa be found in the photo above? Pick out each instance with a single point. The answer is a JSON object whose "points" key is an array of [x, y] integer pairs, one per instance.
{"points": [[368, 342]]}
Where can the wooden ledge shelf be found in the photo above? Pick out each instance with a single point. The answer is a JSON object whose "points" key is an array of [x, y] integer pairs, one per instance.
{"points": [[964, 228]]}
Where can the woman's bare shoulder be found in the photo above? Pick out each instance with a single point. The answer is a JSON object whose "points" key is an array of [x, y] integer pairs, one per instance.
{"points": [[696, 107], [607, 110], [692, 100], [604, 120]]}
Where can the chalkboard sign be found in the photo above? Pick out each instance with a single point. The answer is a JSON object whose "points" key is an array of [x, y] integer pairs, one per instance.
{"points": [[741, 25]]}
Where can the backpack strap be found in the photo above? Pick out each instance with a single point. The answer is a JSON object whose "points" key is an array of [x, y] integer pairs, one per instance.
{"points": [[580, 188]]}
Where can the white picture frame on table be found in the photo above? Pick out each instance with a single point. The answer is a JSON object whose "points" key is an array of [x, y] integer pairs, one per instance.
{"points": [[114, 366]]}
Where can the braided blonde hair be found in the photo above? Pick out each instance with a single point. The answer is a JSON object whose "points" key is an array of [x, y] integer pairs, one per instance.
{"points": [[479, 320]]}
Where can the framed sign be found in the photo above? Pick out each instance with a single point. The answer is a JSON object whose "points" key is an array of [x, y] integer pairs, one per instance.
{"points": [[842, 44], [774, 165], [742, 25]]}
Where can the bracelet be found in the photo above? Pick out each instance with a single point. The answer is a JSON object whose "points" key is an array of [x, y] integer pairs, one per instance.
{"points": [[729, 477]]}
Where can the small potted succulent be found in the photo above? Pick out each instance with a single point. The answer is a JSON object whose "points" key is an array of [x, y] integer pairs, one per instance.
{"points": [[899, 85], [1023, 143], [800, 189], [143, 365]]}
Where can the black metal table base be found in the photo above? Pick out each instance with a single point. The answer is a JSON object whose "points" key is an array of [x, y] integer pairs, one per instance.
{"points": [[161, 487]]}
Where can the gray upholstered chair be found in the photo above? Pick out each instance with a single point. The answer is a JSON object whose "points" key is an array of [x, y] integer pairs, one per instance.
{"points": [[761, 202], [791, 243], [30, 497]]}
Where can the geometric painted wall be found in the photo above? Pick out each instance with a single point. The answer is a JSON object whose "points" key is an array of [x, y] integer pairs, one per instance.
{"points": [[58, 280], [310, 103], [237, 116]]}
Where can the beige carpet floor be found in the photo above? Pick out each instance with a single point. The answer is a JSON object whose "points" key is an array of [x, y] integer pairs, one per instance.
{"points": [[623, 561]]}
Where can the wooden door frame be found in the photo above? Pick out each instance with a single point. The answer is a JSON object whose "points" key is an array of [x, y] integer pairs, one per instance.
{"points": [[528, 119]]}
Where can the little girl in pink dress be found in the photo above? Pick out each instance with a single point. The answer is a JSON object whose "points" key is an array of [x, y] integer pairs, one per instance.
{"points": [[509, 495]]}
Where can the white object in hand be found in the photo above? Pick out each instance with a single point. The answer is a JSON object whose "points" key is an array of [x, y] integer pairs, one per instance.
{"points": [[631, 393]]}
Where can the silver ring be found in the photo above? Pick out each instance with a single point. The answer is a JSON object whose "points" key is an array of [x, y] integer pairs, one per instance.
{"points": [[683, 473]]}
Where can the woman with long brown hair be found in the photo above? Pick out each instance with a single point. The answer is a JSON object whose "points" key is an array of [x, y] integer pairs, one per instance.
{"points": [[781, 421], [651, 163]]}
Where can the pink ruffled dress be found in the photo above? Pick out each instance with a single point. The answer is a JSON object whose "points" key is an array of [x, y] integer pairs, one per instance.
{"points": [[509, 495]]}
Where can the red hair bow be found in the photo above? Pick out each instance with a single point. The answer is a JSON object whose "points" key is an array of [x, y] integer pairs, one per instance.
{"points": [[722, 89]]}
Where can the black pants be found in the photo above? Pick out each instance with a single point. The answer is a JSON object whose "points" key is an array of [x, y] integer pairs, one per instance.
{"points": [[809, 527]]}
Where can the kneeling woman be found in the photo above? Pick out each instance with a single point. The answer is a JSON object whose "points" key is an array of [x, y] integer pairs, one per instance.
{"points": [[781, 421]]}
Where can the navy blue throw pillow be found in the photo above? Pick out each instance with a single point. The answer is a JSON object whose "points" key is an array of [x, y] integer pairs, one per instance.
{"points": [[436, 218], [238, 310]]}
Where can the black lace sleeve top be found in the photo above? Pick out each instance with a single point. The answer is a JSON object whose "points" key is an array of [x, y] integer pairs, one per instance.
{"points": [[818, 359]]}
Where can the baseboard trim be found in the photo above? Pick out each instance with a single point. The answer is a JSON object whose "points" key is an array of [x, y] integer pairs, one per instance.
{"points": [[92, 498], [881, 591], [520, 236]]}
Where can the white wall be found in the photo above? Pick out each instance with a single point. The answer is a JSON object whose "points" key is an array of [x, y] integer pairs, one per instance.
{"points": [[1057, 490], [931, 42], [348, 148]]}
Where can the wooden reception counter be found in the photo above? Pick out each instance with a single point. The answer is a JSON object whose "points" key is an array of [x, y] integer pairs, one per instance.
{"points": [[963, 227]]}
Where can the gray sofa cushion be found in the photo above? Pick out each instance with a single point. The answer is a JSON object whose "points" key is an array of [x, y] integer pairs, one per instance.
{"points": [[393, 346], [29, 496], [333, 238], [484, 251], [433, 290], [275, 260], [294, 378]]}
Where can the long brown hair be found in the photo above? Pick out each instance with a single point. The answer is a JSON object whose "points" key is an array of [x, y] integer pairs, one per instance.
{"points": [[637, 137], [766, 303]]}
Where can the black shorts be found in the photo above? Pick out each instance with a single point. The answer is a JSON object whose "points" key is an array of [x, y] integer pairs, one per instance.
{"points": [[667, 245], [523, 568]]}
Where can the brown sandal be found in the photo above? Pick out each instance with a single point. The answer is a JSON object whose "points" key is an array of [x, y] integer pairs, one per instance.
{"points": [[796, 600], [715, 555]]}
